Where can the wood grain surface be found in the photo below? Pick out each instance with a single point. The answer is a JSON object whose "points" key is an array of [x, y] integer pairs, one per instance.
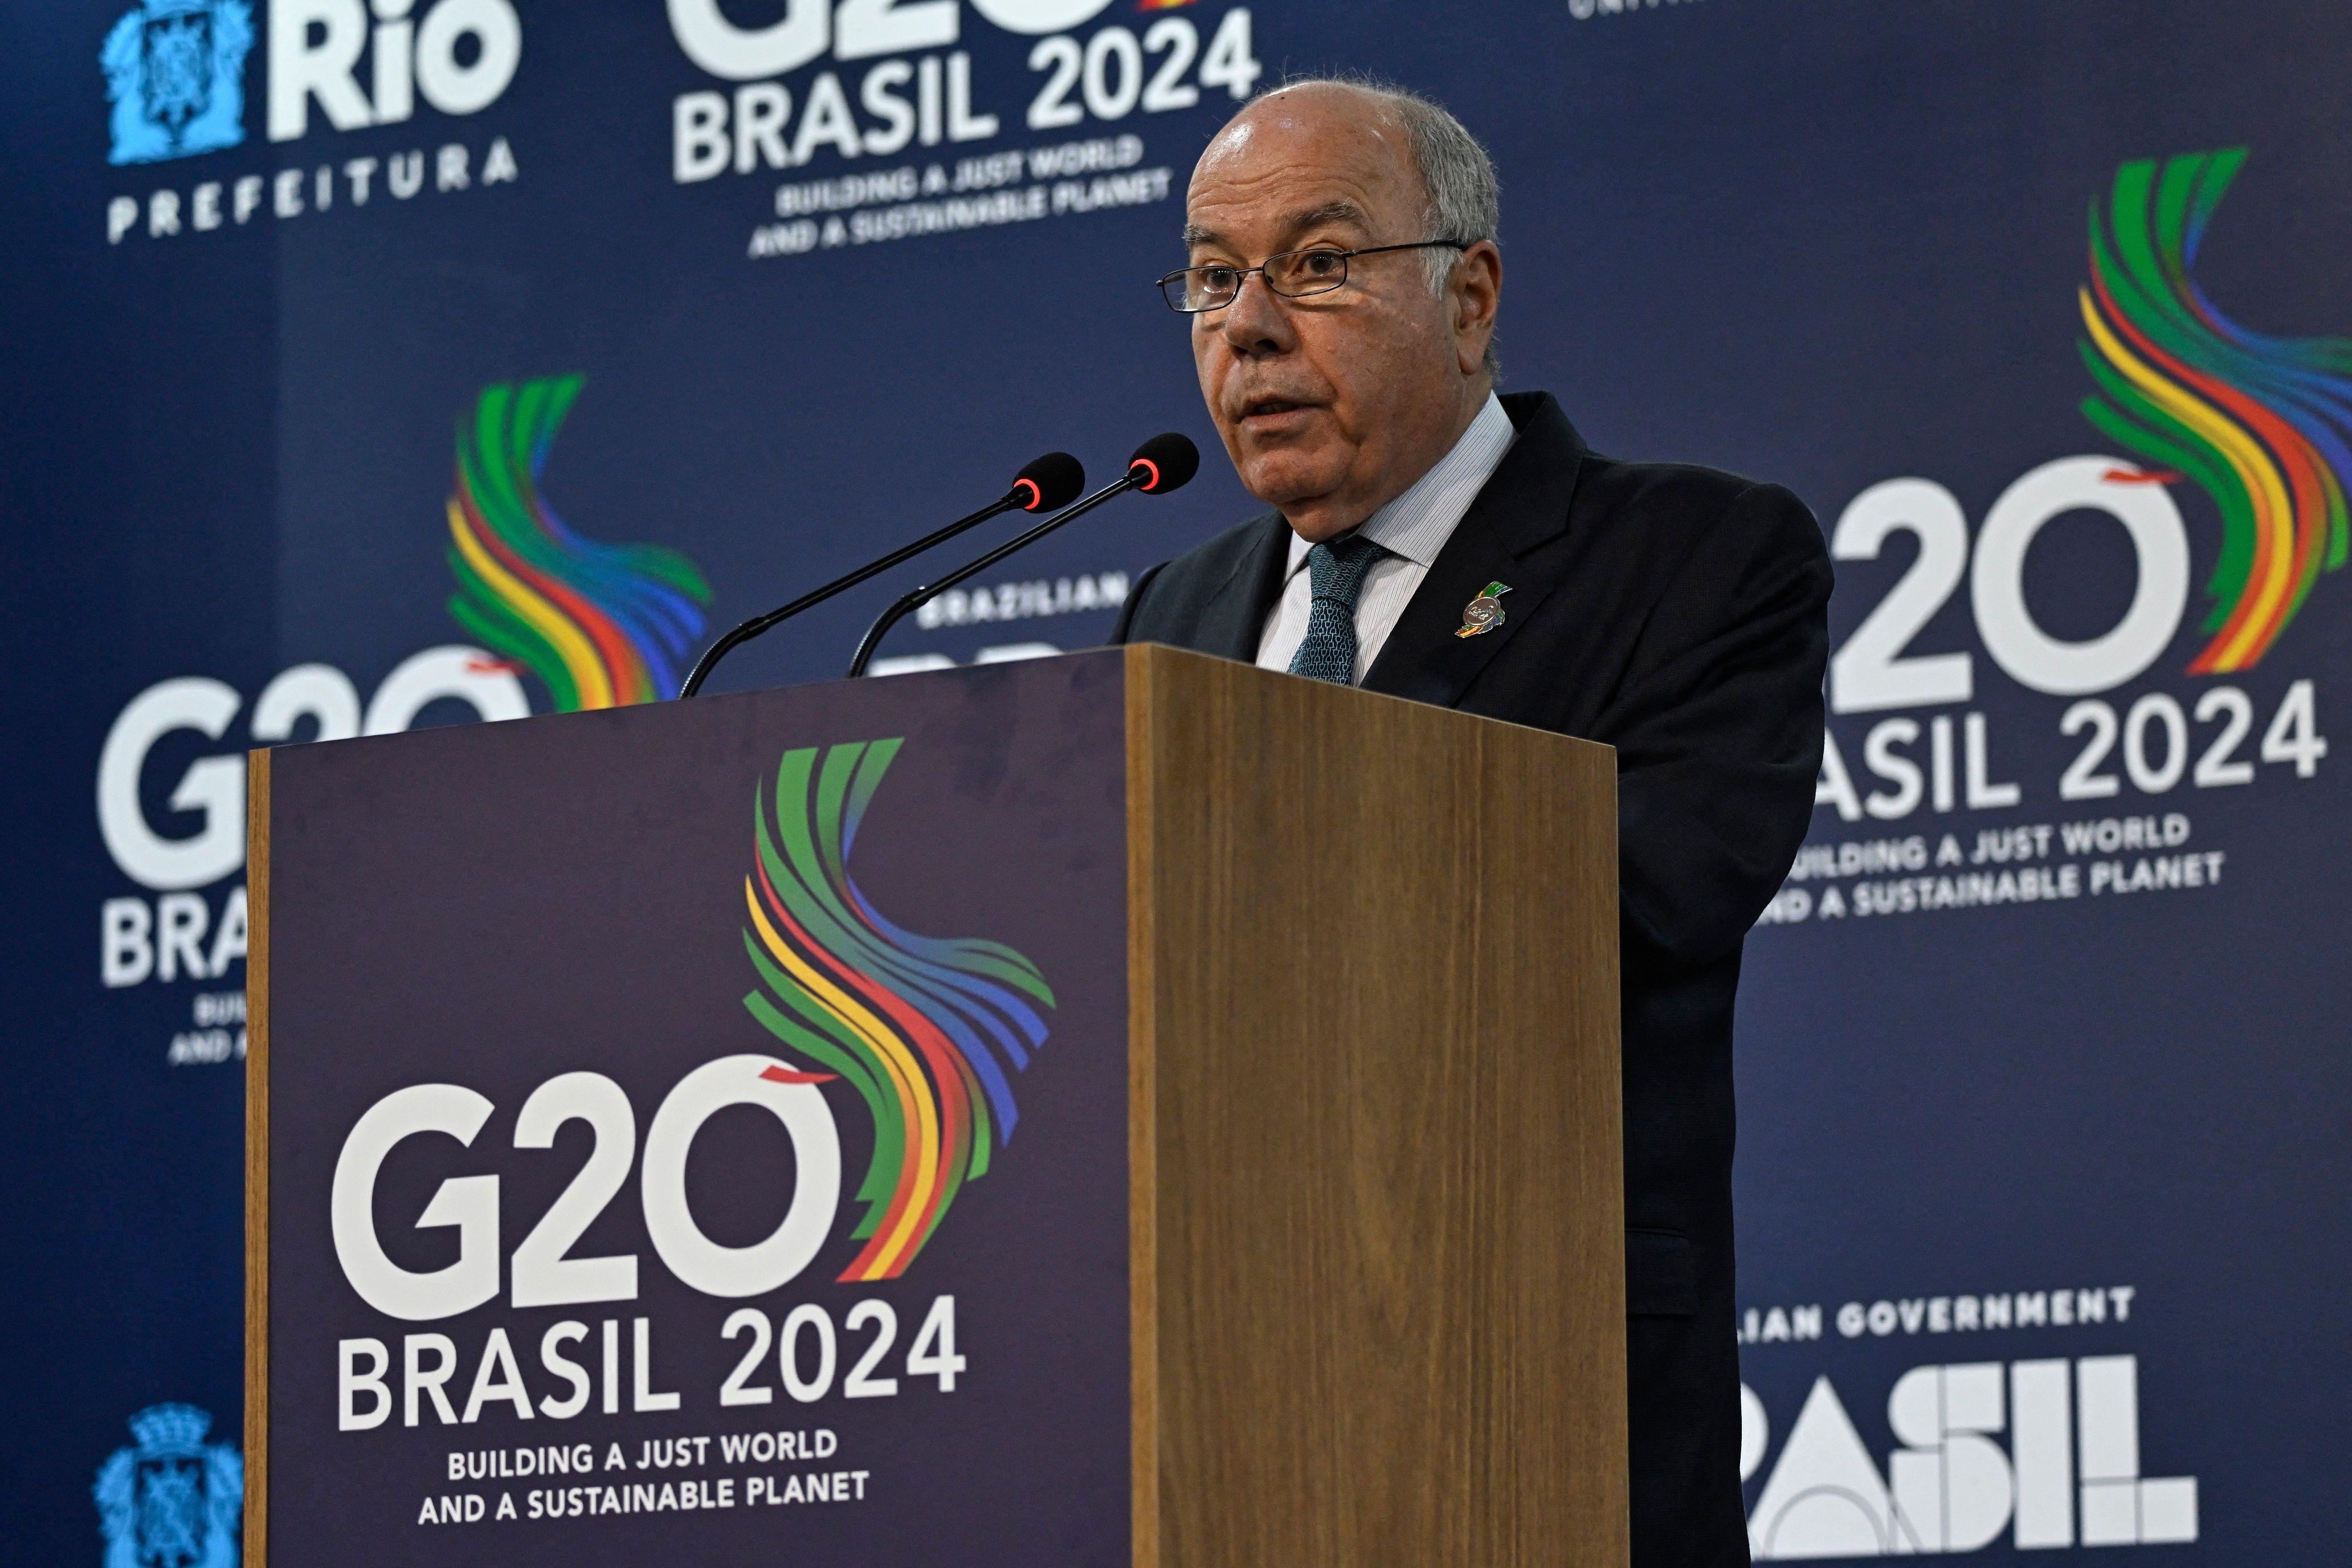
{"points": [[256, 1162], [1377, 1229]]}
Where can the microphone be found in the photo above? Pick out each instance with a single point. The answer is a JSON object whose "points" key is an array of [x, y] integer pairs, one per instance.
{"points": [[1047, 482], [1161, 464]]}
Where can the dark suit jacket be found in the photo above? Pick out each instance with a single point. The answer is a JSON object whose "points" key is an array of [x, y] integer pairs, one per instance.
{"points": [[1677, 613]]}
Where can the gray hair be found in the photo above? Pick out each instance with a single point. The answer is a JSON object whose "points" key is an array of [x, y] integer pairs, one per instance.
{"points": [[1464, 198]]}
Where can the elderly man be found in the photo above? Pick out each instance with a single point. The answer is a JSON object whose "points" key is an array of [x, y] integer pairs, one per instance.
{"points": [[1434, 540]]}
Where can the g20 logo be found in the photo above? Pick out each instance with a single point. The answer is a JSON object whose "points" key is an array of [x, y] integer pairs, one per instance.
{"points": [[200, 839], [543, 1272], [930, 99], [814, 1359], [1874, 670], [852, 30]]}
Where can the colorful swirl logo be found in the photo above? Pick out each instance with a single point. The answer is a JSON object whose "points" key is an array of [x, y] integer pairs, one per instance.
{"points": [[2259, 422], [925, 1029], [602, 625]]}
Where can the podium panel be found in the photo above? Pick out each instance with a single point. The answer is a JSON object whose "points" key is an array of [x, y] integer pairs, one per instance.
{"points": [[1125, 1108]]}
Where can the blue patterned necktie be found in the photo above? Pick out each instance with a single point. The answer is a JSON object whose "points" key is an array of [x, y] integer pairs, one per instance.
{"points": [[1335, 573]]}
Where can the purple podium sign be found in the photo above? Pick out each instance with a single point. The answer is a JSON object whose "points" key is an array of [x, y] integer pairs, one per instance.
{"points": [[697, 1133]]}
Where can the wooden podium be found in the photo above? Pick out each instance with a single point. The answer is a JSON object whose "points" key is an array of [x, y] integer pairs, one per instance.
{"points": [[634, 1175]]}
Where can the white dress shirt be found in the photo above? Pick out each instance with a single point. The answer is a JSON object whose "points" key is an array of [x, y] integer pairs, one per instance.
{"points": [[1412, 529]]}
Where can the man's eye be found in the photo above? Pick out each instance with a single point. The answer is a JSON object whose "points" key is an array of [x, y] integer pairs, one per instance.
{"points": [[1216, 280], [1321, 263]]}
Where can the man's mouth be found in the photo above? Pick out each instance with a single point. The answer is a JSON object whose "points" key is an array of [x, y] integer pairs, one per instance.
{"points": [[1272, 413]]}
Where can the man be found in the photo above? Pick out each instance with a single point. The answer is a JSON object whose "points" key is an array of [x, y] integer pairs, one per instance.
{"points": [[1435, 542]]}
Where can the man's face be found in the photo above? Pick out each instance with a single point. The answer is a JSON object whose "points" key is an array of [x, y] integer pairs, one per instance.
{"points": [[1332, 404]]}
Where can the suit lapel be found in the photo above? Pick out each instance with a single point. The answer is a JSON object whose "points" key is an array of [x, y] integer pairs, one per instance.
{"points": [[1524, 506], [1234, 617]]}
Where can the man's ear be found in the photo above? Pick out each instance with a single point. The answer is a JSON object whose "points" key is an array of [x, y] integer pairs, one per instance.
{"points": [[1474, 294]]}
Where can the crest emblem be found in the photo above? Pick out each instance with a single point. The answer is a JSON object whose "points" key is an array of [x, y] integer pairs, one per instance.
{"points": [[175, 73], [1485, 613], [174, 1500]]}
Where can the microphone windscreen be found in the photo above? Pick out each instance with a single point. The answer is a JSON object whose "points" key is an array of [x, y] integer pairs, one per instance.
{"points": [[1050, 483], [1173, 460]]}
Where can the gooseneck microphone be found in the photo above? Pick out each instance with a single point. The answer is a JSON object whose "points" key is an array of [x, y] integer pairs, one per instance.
{"points": [[1161, 464], [1044, 484]]}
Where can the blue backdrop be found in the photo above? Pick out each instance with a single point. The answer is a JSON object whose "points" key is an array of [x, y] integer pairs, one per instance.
{"points": [[342, 342]]}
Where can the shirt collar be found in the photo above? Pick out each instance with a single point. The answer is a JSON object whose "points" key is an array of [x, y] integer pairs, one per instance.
{"points": [[1417, 524]]}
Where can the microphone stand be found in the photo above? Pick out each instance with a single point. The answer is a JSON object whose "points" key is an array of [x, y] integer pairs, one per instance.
{"points": [[759, 624], [1138, 474]]}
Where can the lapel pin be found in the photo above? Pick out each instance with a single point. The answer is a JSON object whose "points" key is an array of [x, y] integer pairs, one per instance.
{"points": [[1483, 613]]}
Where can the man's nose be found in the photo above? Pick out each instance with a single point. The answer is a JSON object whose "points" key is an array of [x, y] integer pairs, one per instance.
{"points": [[1258, 320]]}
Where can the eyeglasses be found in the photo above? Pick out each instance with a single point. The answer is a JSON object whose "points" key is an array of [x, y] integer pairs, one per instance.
{"points": [[1293, 274]]}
